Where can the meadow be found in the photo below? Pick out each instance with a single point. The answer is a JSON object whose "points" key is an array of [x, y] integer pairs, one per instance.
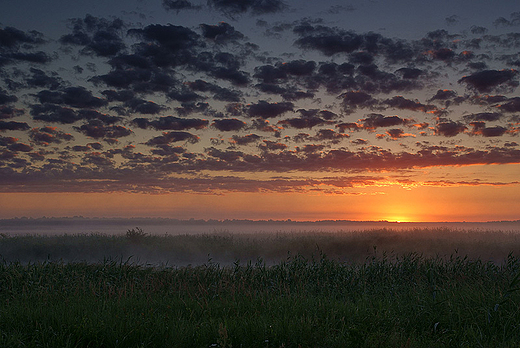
{"points": [[377, 288]]}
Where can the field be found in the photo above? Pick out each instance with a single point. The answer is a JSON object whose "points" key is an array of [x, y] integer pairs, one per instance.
{"points": [[379, 288]]}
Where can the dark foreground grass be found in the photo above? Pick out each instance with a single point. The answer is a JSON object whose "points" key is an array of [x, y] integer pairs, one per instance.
{"points": [[409, 301]]}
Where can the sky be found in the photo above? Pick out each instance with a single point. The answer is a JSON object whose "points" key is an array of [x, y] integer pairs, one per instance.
{"points": [[392, 110]]}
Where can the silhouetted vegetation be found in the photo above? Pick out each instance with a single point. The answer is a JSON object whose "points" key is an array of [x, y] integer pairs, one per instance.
{"points": [[411, 301], [225, 248], [360, 289]]}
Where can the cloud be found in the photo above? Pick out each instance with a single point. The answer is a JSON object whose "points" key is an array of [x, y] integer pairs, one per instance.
{"points": [[13, 125], [221, 33], [40, 79], [255, 7], [96, 129], [144, 106], [327, 40], [444, 94], [171, 123], [47, 135], [7, 98], [20, 147], [171, 137], [373, 121], [510, 105], [219, 93], [479, 128], [488, 80], [397, 133], [303, 122], [10, 112], [172, 37], [177, 5], [98, 36], [399, 102], [264, 109], [483, 116], [355, 99], [6, 141], [227, 125], [13, 38], [514, 21], [449, 128], [54, 113], [245, 139], [78, 97]]}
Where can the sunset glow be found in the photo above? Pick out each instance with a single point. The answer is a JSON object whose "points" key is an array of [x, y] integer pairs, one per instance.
{"points": [[260, 110]]}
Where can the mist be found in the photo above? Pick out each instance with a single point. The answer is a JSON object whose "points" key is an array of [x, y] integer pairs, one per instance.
{"points": [[176, 243]]}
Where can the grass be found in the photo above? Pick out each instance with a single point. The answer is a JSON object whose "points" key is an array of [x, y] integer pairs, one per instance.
{"points": [[386, 300], [225, 248]]}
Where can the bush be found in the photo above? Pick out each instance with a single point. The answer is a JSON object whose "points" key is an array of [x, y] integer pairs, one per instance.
{"points": [[136, 234]]}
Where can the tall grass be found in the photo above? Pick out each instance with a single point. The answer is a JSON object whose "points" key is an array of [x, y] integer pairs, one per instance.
{"points": [[382, 288], [411, 301], [225, 248]]}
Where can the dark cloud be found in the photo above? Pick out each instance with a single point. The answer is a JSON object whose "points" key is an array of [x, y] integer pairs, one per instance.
{"points": [[144, 106], [80, 148], [177, 5], [78, 97], [268, 145], [40, 79], [20, 147], [255, 7], [488, 80], [329, 135], [98, 36], [303, 122], [189, 108], [449, 128], [171, 137], [96, 129], [264, 109], [356, 99], [245, 139], [172, 37], [171, 123], [6, 141], [54, 113], [96, 159], [219, 93], [400, 102], [264, 126], [327, 40], [10, 112], [410, 73], [479, 128], [348, 125], [478, 30], [510, 105], [397, 133], [373, 121], [226, 156], [13, 38], [483, 116], [48, 135], [13, 125], [121, 96], [221, 33], [7, 98], [227, 125], [513, 21], [444, 94]]}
